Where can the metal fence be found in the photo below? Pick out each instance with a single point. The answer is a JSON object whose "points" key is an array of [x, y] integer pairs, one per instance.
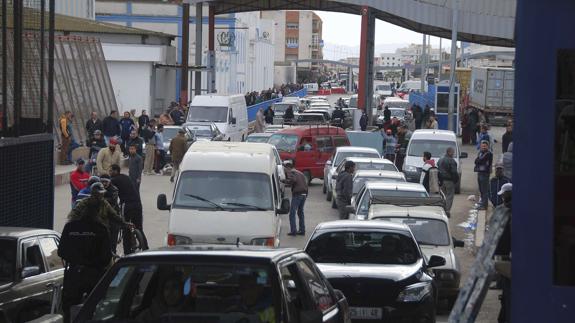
{"points": [[253, 109]]}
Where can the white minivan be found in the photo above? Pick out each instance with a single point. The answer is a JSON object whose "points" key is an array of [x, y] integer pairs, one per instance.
{"points": [[226, 193], [229, 113]]}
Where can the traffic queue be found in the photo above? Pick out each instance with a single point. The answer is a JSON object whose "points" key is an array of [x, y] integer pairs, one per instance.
{"points": [[388, 258]]}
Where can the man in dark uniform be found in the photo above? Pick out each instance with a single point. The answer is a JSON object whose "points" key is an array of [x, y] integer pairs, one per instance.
{"points": [[344, 188], [85, 248]]}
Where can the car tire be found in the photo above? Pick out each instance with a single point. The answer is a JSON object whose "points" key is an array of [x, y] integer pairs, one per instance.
{"points": [[333, 204], [308, 177], [324, 188], [329, 196]]}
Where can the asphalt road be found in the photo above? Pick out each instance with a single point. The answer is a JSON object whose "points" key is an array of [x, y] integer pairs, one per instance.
{"points": [[317, 210]]}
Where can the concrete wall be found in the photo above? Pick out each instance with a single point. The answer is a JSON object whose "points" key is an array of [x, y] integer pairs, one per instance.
{"points": [[305, 32], [279, 19], [77, 8]]}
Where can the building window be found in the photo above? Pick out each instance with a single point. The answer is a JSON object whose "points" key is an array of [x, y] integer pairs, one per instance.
{"points": [[292, 42], [292, 25]]}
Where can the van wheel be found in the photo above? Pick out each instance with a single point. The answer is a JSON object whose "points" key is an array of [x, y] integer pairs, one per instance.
{"points": [[329, 196], [333, 204], [307, 175]]}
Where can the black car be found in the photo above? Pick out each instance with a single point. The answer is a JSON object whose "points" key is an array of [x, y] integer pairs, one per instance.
{"points": [[30, 271], [379, 268], [219, 283]]}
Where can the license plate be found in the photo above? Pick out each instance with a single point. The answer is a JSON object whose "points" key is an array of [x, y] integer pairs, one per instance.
{"points": [[365, 313]]}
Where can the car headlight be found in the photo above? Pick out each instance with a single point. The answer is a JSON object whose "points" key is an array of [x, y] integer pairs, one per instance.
{"points": [[176, 240], [415, 292], [410, 169], [270, 242]]}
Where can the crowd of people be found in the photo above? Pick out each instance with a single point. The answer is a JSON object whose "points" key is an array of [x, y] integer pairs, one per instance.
{"points": [[269, 94]]}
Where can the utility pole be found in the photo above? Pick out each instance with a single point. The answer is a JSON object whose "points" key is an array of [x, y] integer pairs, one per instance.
{"points": [[454, 23], [440, 63], [199, 47], [185, 53], [423, 63]]}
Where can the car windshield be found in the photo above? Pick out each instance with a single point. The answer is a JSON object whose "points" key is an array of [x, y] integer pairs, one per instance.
{"points": [[360, 181], [208, 114], [426, 231], [169, 133], [361, 247], [398, 113], [263, 139], [282, 142], [383, 87], [398, 193], [437, 148], [375, 166], [191, 292], [7, 260], [282, 107], [345, 154], [218, 190], [200, 131]]}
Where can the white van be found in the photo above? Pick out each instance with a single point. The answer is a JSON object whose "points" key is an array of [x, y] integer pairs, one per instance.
{"points": [[434, 141], [229, 113], [226, 193], [407, 86], [383, 89]]}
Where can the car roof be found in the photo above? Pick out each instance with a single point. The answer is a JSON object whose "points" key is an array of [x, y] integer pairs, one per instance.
{"points": [[355, 149], [241, 251], [21, 232], [433, 134], [313, 130], [377, 173], [356, 224], [260, 134], [395, 186], [369, 160], [251, 157], [418, 211], [172, 127]]}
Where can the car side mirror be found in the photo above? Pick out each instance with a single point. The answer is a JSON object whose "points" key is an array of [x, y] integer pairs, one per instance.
{"points": [[458, 243], [328, 163], [285, 206], [233, 121], [436, 261], [312, 316], [463, 155], [30, 271], [162, 203]]}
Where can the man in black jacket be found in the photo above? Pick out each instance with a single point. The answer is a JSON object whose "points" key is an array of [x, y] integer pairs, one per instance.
{"points": [[93, 124], [143, 120], [344, 188], [483, 164], [507, 137], [111, 126], [449, 175]]}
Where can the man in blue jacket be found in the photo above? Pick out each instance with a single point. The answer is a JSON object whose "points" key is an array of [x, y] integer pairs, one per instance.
{"points": [[495, 185], [111, 126]]}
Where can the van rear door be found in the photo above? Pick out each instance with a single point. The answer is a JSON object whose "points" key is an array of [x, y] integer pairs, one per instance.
{"points": [[307, 156]]}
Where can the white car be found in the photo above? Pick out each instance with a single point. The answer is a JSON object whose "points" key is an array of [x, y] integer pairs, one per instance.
{"points": [[365, 163], [339, 155], [361, 177], [430, 226], [372, 191]]}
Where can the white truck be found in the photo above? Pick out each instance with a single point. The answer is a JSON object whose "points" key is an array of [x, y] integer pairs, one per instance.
{"points": [[491, 91]]}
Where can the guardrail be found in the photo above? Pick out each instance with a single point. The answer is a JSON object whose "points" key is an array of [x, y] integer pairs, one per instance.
{"points": [[253, 109]]}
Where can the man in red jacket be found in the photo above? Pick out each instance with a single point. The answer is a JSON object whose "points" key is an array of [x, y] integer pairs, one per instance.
{"points": [[78, 179]]}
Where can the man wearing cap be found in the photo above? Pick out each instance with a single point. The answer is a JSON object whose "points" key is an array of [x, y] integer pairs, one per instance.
{"points": [[299, 189], [344, 188], [86, 191], [108, 156], [178, 147], [78, 179], [496, 184]]}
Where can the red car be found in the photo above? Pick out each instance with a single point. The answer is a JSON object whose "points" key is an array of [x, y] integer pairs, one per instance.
{"points": [[309, 147]]}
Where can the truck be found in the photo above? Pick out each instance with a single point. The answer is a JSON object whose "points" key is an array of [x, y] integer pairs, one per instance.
{"points": [[491, 91]]}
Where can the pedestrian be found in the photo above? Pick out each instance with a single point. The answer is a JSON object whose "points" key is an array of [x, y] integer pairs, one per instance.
{"points": [[344, 189], [108, 156], [134, 118], [386, 114], [431, 123], [160, 151], [131, 205], [85, 248], [135, 140], [149, 136], [260, 123], [410, 121], [177, 116], [389, 143], [417, 115], [65, 123], [135, 166], [86, 191], [96, 143], [288, 115], [503, 256], [111, 126], [143, 120], [127, 125], [166, 120], [429, 174], [363, 121], [299, 190], [78, 179], [449, 176], [178, 148], [507, 136], [485, 136], [269, 115], [426, 114], [508, 162], [403, 137], [473, 125], [93, 124], [483, 164], [495, 185], [465, 132]]}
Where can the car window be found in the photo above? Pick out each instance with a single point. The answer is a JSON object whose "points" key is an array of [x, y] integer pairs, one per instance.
{"points": [[426, 231], [324, 144], [50, 250], [7, 260], [31, 255], [319, 291], [363, 208], [339, 141]]}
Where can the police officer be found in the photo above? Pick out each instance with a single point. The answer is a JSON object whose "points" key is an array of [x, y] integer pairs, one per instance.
{"points": [[344, 188], [85, 247]]}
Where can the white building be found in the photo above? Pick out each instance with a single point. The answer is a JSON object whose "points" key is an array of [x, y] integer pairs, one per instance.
{"points": [[483, 55], [387, 59], [412, 53]]}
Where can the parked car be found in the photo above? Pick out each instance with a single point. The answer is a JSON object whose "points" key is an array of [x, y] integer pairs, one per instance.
{"points": [[380, 268], [436, 142], [326, 114], [373, 191], [222, 186], [398, 113], [204, 131], [218, 283], [261, 137], [429, 224], [383, 89], [309, 147], [310, 118], [361, 177], [30, 271], [336, 160]]}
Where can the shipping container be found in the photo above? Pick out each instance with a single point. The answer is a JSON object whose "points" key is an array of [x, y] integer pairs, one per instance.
{"points": [[492, 91]]}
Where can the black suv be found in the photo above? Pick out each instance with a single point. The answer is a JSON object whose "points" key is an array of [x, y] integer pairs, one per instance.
{"points": [[215, 284]]}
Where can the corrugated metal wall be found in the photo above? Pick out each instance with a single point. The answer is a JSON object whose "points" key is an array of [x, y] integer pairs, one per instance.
{"points": [[76, 8]]}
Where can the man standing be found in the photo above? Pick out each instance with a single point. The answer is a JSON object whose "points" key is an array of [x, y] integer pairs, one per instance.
{"points": [[507, 136], [260, 123], [160, 150], [177, 116], [389, 143], [127, 125], [344, 188], [503, 256], [143, 121], [149, 136], [134, 118], [495, 185], [93, 124], [178, 148], [107, 157], [485, 136], [78, 179], [135, 140], [450, 177], [66, 137], [483, 164], [386, 114], [429, 177], [403, 136], [111, 126], [130, 199], [96, 143], [417, 116], [298, 183], [269, 115], [135, 167], [363, 121]]}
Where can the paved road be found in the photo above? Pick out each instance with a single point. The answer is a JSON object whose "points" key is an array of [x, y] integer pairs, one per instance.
{"points": [[317, 210]]}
